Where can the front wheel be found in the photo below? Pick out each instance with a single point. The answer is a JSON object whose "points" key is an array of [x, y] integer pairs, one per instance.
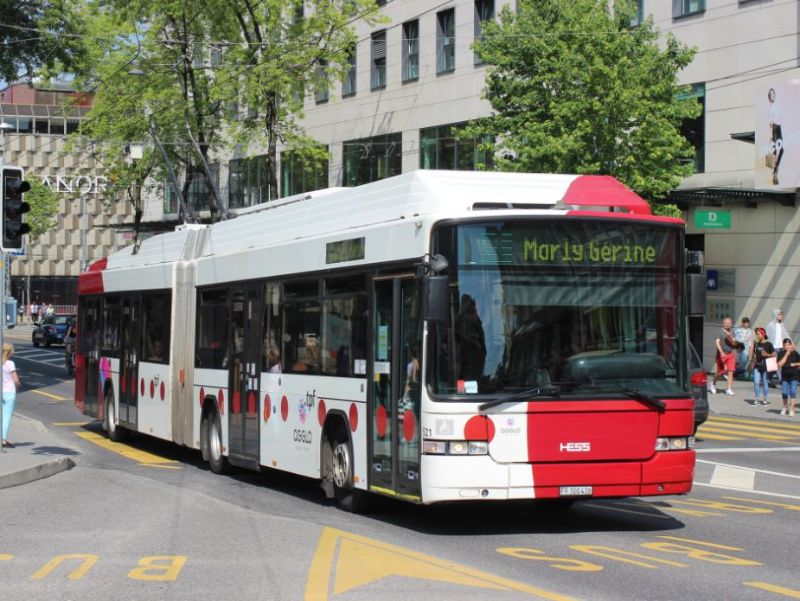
{"points": [[347, 496]]}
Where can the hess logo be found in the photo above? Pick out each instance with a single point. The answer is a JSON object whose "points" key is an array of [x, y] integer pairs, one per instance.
{"points": [[575, 447]]}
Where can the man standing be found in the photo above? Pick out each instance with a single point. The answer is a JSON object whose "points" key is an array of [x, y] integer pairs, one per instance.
{"points": [[726, 356], [746, 336]]}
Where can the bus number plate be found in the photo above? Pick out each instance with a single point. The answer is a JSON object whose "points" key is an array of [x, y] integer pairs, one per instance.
{"points": [[575, 491]]}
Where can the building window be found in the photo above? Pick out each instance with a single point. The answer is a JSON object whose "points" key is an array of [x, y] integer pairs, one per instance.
{"points": [[248, 181], [56, 126], [441, 150], [484, 11], [349, 81], [638, 18], [378, 56], [682, 8], [411, 50], [446, 41], [300, 175], [321, 83], [370, 159], [694, 130]]}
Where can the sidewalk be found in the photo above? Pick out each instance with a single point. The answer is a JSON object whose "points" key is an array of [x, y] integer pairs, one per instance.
{"points": [[37, 453], [741, 404]]}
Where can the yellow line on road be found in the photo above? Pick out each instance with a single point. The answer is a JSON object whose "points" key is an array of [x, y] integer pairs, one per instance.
{"points": [[48, 395], [774, 588], [68, 424], [731, 430], [764, 427], [759, 422], [142, 457], [701, 434]]}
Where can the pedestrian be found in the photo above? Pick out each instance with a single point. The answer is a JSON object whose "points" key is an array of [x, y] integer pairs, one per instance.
{"points": [[34, 312], [776, 331], [50, 311], [726, 356], [746, 336], [10, 385], [759, 352], [789, 364]]}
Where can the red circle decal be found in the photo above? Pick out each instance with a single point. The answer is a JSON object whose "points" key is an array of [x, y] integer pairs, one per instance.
{"points": [[152, 389], [409, 425], [267, 406], [221, 402], [163, 391], [479, 427], [284, 408], [122, 385], [381, 421], [353, 415], [141, 387], [202, 395], [251, 403], [237, 403], [322, 411]]}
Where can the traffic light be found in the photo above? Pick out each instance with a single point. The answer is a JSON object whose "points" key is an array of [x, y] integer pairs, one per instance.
{"points": [[13, 208]]}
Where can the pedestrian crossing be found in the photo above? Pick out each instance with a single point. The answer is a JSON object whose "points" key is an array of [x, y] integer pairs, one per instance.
{"points": [[53, 357], [733, 428]]}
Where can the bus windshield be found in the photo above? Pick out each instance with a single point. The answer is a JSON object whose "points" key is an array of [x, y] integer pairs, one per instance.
{"points": [[561, 306]]}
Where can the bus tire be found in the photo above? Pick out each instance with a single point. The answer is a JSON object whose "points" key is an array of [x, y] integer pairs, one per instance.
{"points": [[110, 425], [212, 429], [348, 498]]}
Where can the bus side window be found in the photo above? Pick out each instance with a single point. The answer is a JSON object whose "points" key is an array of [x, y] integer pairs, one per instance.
{"points": [[212, 329]]}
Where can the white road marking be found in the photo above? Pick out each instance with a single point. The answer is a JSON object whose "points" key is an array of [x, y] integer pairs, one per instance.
{"points": [[748, 450], [740, 467], [735, 477]]}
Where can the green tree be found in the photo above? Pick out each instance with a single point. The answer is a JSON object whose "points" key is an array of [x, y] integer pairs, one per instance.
{"points": [[35, 34], [576, 88], [44, 207]]}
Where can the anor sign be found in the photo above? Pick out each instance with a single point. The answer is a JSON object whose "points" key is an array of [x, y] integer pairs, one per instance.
{"points": [[82, 184]]}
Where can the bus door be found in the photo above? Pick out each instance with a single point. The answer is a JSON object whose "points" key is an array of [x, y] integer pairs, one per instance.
{"points": [[130, 329], [89, 332], [395, 378], [247, 310]]}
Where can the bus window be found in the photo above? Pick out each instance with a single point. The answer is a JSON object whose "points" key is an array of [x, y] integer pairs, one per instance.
{"points": [[344, 336], [156, 311], [212, 329], [271, 360], [111, 318], [301, 339]]}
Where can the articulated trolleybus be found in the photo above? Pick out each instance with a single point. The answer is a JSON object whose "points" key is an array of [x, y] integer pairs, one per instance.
{"points": [[435, 336]]}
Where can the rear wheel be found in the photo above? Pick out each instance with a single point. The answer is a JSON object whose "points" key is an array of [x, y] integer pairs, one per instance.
{"points": [[347, 496], [112, 429], [213, 443]]}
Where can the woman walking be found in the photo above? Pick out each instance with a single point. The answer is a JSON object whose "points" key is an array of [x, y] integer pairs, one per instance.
{"points": [[759, 353], [10, 385]]}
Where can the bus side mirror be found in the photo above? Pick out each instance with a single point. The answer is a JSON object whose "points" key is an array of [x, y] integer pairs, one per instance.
{"points": [[436, 300], [696, 293]]}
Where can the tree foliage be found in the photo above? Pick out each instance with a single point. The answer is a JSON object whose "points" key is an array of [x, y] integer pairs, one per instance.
{"points": [[44, 207], [35, 34], [576, 88]]}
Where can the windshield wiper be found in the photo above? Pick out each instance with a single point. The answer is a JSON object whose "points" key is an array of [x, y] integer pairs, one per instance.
{"points": [[541, 391], [633, 393]]}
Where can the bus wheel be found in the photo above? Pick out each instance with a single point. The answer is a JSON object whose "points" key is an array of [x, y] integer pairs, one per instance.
{"points": [[110, 424], [213, 443], [347, 496]]}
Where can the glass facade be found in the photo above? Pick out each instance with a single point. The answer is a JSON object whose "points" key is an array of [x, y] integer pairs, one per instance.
{"points": [[439, 149], [299, 175], [371, 159], [248, 182]]}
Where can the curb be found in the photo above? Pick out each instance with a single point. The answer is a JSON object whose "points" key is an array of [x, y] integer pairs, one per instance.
{"points": [[36, 472]]}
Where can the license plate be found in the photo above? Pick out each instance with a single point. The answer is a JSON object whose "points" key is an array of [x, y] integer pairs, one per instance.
{"points": [[575, 491]]}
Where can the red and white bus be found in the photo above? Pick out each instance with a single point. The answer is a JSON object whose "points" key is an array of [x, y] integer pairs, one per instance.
{"points": [[435, 336]]}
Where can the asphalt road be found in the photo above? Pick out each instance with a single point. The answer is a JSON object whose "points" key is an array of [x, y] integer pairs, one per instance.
{"points": [[148, 520]]}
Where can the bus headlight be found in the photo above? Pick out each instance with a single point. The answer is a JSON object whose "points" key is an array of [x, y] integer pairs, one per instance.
{"points": [[679, 443]]}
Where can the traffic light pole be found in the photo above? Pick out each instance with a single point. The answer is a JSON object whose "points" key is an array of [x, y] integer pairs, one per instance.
{"points": [[2, 314]]}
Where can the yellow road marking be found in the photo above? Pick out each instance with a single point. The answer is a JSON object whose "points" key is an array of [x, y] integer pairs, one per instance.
{"points": [[128, 452], [730, 430], [67, 424], [650, 514], [362, 560], [48, 395], [772, 503], [701, 433], [774, 424], [749, 428], [774, 588]]}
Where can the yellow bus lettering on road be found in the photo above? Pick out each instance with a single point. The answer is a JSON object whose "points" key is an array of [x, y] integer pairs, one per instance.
{"points": [[700, 554], [161, 568], [641, 560], [87, 561], [560, 563]]}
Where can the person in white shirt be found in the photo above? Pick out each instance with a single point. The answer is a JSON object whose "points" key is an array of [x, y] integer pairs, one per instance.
{"points": [[10, 385]]}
